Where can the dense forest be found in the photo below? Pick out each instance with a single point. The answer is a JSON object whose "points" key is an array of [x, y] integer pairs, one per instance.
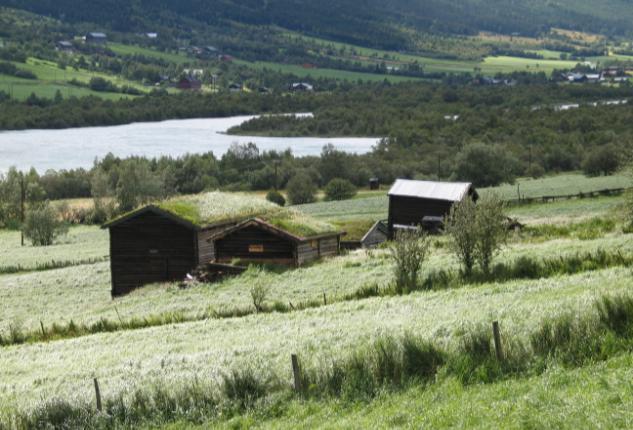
{"points": [[372, 23]]}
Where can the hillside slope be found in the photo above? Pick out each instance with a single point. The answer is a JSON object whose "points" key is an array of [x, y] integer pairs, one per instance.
{"points": [[385, 24]]}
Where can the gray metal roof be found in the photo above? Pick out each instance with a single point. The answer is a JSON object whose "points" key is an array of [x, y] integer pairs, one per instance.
{"points": [[450, 191]]}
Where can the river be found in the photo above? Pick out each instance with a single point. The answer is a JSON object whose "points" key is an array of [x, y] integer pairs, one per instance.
{"points": [[78, 147]]}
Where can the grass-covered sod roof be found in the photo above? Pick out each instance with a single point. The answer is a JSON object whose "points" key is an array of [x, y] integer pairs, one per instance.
{"points": [[211, 208]]}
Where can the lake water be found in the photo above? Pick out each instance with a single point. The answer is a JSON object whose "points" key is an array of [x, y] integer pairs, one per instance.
{"points": [[78, 147]]}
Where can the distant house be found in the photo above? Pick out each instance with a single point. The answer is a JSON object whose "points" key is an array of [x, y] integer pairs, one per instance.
{"points": [[164, 242], [96, 38], [236, 88], [424, 203], [374, 183], [65, 46], [189, 83], [301, 87], [151, 35]]}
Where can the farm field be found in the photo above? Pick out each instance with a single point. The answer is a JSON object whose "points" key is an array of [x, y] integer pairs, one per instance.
{"points": [[51, 78], [205, 347], [323, 73], [179, 352], [29, 300], [489, 65]]}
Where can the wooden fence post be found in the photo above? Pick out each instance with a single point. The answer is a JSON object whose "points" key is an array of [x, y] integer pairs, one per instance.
{"points": [[43, 331], [324, 299], [497, 338], [296, 372], [98, 395]]}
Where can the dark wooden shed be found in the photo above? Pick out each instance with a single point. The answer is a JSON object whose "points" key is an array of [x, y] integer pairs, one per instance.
{"points": [[153, 245], [165, 241], [424, 203], [256, 240]]}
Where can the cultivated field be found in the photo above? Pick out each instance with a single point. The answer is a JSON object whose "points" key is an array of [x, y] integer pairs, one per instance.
{"points": [[319, 313]]}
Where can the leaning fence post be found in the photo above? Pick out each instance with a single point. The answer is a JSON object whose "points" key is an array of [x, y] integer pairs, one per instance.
{"points": [[98, 395], [43, 331], [497, 338], [295, 372]]}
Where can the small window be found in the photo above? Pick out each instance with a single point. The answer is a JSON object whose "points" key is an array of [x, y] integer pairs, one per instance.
{"points": [[153, 251], [314, 244], [256, 249]]}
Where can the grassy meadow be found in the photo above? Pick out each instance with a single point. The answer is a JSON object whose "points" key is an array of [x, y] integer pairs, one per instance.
{"points": [[201, 346], [51, 78]]}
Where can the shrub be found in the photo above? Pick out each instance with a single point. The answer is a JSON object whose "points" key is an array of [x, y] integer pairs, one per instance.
{"points": [[301, 189], [485, 165], [258, 295], [477, 232], [339, 189], [491, 230], [276, 197], [604, 160], [42, 225], [460, 227], [408, 253]]}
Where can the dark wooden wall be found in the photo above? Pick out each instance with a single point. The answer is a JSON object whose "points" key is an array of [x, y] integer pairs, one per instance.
{"points": [[150, 248], [236, 245], [411, 210]]}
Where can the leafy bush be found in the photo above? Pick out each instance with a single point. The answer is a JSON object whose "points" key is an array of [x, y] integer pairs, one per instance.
{"points": [[301, 189], [42, 225], [459, 226], [491, 230], [258, 295], [485, 165], [477, 231], [604, 160], [339, 189], [276, 197], [12, 70], [408, 252]]}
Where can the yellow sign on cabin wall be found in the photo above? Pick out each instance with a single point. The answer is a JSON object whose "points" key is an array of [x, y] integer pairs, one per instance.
{"points": [[256, 249]]}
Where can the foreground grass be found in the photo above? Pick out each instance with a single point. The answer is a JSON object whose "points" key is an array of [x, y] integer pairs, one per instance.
{"points": [[264, 342], [389, 364], [594, 396]]}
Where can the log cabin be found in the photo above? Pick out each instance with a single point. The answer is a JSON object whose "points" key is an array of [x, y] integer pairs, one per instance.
{"points": [[257, 241], [424, 203], [166, 241]]}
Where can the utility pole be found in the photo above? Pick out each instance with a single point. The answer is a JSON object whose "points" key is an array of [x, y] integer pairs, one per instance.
{"points": [[439, 166], [22, 202], [276, 163]]}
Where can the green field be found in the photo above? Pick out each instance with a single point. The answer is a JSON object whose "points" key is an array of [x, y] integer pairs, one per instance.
{"points": [[51, 78], [207, 347], [323, 73], [489, 65]]}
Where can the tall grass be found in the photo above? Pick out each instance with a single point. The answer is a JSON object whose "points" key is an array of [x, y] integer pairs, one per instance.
{"points": [[521, 268], [49, 265], [388, 363]]}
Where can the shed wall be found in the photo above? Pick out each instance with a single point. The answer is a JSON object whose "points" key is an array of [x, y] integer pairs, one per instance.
{"points": [[150, 248], [255, 244]]}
